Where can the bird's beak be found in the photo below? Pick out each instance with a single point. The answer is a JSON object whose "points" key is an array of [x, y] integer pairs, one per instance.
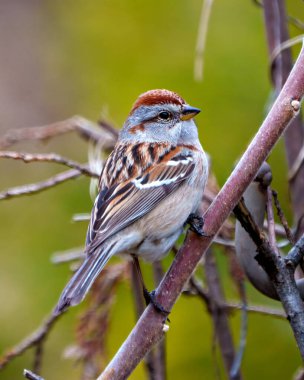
{"points": [[189, 112]]}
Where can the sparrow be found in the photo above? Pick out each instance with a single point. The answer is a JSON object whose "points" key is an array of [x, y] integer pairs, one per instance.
{"points": [[151, 183]]}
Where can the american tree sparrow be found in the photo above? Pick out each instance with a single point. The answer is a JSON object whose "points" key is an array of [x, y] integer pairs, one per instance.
{"points": [[150, 185]]}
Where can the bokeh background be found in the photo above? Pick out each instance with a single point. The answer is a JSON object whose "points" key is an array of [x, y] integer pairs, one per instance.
{"points": [[61, 58]]}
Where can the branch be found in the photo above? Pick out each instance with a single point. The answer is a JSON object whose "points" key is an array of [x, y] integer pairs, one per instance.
{"points": [[277, 34], [201, 40], [283, 220], [50, 157], [270, 221], [32, 340], [31, 375], [150, 327], [280, 271], [232, 306], [86, 129], [219, 315], [33, 188]]}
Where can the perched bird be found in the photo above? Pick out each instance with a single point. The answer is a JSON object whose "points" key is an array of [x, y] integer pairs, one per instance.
{"points": [[150, 185]]}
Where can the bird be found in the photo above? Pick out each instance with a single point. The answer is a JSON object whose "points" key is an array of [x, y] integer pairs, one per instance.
{"points": [[150, 186]]}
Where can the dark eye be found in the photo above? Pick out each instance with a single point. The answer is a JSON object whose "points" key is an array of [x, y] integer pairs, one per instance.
{"points": [[164, 115]]}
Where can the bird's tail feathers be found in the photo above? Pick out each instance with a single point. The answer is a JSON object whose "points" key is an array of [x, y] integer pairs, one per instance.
{"points": [[83, 279]]}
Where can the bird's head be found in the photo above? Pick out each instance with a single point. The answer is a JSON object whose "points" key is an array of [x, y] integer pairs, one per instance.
{"points": [[160, 116]]}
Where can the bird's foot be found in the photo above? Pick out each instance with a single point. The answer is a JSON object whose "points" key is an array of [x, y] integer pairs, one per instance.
{"points": [[196, 223], [150, 299]]}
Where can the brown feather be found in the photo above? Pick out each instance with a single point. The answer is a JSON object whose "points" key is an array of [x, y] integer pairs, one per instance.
{"points": [[153, 97]]}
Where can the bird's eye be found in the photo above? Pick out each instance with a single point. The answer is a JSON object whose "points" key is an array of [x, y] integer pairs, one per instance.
{"points": [[164, 115]]}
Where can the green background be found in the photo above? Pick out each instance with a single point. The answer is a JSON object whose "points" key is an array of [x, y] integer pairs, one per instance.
{"points": [[98, 56]]}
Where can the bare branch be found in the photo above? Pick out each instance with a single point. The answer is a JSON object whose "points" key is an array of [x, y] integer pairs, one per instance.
{"points": [[296, 166], [31, 375], [255, 309], [68, 255], [49, 157], [286, 45], [233, 306], [32, 340], [38, 357], [283, 220], [270, 220], [219, 315], [201, 40], [243, 333], [296, 254], [109, 128], [86, 129], [33, 188], [280, 272]]}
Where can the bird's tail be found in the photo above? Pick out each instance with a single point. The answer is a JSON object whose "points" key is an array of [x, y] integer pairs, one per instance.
{"points": [[80, 283]]}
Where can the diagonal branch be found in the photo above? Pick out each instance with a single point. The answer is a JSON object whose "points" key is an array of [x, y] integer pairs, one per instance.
{"points": [[33, 188], [150, 328], [32, 340]]}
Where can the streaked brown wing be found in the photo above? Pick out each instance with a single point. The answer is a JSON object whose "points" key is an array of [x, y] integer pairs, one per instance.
{"points": [[122, 204]]}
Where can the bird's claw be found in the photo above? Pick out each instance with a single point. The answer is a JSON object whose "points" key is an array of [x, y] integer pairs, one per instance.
{"points": [[150, 299], [196, 223]]}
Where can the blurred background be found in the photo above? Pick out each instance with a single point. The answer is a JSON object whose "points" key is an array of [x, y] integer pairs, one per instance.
{"points": [[93, 58]]}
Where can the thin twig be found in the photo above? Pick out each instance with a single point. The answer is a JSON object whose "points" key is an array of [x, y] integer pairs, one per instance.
{"points": [[296, 254], [68, 256], [49, 157], [108, 127], [33, 188], [236, 365], [291, 19], [286, 45], [255, 309], [233, 306], [86, 129], [38, 356], [30, 341], [279, 229], [31, 375], [84, 217], [296, 166], [282, 217], [219, 315], [270, 220], [201, 40], [199, 290]]}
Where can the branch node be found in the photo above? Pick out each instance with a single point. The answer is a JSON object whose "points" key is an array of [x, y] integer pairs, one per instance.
{"points": [[296, 105]]}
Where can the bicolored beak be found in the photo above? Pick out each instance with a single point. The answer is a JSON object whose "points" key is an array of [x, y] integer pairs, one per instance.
{"points": [[189, 112]]}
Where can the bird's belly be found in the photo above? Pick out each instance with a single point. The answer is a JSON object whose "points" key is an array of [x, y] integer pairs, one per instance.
{"points": [[153, 249], [171, 214], [163, 225]]}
